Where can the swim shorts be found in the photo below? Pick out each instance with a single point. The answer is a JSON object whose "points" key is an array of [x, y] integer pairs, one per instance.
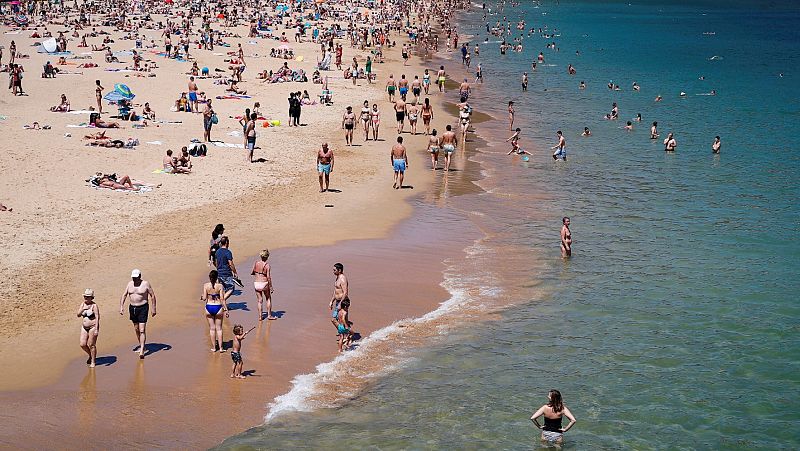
{"points": [[400, 115], [324, 168], [227, 282], [138, 313], [416, 91], [560, 153], [348, 126], [342, 330], [207, 123], [193, 96], [391, 89], [399, 165], [335, 311], [251, 142], [449, 148], [403, 91], [236, 357]]}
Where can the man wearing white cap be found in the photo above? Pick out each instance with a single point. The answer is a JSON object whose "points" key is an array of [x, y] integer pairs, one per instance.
{"points": [[140, 292]]}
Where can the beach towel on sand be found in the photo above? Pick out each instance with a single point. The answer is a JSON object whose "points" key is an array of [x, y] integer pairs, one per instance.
{"points": [[231, 145]]}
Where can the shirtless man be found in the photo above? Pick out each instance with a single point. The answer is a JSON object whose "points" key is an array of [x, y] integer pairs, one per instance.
{"points": [[399, 162], [449, 143], [560, 148], [140, 292], [566, 238], [402, 86], [400, 114], [348, 124], [391, 87], [464, 90], [341, 291], [324, 166], [670, 144], [441, 77], [524, 81], [193, 95], [416, 88]]}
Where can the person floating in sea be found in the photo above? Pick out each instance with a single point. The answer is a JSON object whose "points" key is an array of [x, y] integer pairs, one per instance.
{"points": [[553, 413], [141, 294], [560, 148], [236, 352], [89, 313], [716, 145]]}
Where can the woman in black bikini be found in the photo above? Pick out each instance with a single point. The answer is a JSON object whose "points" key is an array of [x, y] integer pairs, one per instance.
{"points": [[553, 413], [89, 313]]}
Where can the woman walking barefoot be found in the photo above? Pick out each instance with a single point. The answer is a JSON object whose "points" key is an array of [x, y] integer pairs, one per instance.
{"points": [[553, 412], [376, 121], [215, 303], [263, 285], [427, 115], [365, 119], [89, 313]]}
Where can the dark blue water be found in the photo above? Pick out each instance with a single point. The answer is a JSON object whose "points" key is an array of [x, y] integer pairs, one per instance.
{"points": [[675, 325]]}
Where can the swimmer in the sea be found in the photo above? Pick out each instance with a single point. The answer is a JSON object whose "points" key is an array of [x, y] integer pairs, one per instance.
{"points": [[670, 144], [654, 131], [658, 98], [638, 117], [586, 132], [582, 85], [635, 86], [628, 127], [716, 145]]}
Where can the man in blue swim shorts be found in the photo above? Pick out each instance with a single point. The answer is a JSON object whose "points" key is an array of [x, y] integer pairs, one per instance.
{"points": [[399, 162], [192, 94], [324, 166]]}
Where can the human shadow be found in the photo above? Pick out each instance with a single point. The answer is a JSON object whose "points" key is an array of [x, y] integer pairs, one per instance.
{"points": [[249, 373], [406, 187], [107, 360], [260, 160], [331, 190], [152, 348], [227, 344]]}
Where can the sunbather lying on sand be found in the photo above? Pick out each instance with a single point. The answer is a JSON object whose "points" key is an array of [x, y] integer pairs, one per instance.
{"points": [[112, 182]]}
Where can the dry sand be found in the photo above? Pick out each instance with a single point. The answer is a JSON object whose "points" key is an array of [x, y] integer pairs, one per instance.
{"points": [[64, 236]]}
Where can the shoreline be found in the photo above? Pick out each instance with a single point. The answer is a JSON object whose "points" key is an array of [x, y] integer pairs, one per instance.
{"points": [[351, 224]]}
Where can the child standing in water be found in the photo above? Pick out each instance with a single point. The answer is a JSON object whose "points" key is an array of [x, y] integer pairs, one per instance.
{"points": [[236, 353], [344, 325]]}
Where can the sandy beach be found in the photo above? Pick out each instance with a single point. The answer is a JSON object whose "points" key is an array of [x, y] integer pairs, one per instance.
{"points": [[64, 235]]}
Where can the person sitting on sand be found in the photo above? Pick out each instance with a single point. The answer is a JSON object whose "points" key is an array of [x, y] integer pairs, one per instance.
{"points": [[63, 106], [182, 104], [233, 88], [148, 113], [49, 71], [171, 165], [185, 160]]}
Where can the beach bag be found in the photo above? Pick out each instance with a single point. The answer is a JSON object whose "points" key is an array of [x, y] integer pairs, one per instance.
{"points": [[214, 119]]}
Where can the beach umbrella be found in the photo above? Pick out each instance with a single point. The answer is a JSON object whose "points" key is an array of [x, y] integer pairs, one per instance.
{"points": [[49, 45], [21, 19], [123, 90], [116, 96]]}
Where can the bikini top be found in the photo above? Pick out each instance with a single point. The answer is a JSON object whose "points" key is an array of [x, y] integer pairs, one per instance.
{"points": [[88, 313]]}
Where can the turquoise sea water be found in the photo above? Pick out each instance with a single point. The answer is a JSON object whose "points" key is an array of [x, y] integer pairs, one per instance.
{"points": [[675, 325]]}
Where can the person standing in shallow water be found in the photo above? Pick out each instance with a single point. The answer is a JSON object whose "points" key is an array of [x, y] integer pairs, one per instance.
{"points": [[566, 238], [89, 313], [554, 412]]}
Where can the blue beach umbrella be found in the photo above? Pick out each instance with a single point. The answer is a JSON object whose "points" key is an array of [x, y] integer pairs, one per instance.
{"points": [[124, 90]]}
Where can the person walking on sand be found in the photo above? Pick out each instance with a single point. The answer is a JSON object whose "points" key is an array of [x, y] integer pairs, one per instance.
{"points": [[263, 285], [324, 166], [566, 238], [225, 267], [449, 143], [391, 87], [141, 295], [433, 148], [216, 306], [554, 412], [375, 117], [400, 114], [399, 160], [89, 313], [208, 121], [341, 291], [348, 124], [441, 78], [98, 93], [427, 115], [560, 148]]}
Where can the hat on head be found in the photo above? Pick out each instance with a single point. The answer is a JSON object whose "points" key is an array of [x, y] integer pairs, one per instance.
{"points": [[136, 273], [88, 293]]}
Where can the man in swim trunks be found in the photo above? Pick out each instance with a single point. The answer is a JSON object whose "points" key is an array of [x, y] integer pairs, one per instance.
{"points": [[400, 114], [193, 95], [324, 166], [449, 143], [225, 267], [560, 148], [391, 87], [399, 162], [403, 87], [441, 77], [140, 293], [416, 88], [340, 292]]}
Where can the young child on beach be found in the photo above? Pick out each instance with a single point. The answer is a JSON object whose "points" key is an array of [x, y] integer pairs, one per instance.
{"points": [[344, 325], [236, 353]]}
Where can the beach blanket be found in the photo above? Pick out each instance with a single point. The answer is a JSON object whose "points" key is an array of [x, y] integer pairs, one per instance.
{"points": [[155, 143], [84, 125], [142, 189], [233, 97], [230, 145], [111, 69], [80, 112]]}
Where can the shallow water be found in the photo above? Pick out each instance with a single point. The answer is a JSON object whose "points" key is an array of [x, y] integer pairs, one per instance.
{"points": [[675, 324]]}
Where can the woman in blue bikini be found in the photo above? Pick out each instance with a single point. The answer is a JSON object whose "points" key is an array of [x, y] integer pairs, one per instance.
{"points": [[215, 304]]}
